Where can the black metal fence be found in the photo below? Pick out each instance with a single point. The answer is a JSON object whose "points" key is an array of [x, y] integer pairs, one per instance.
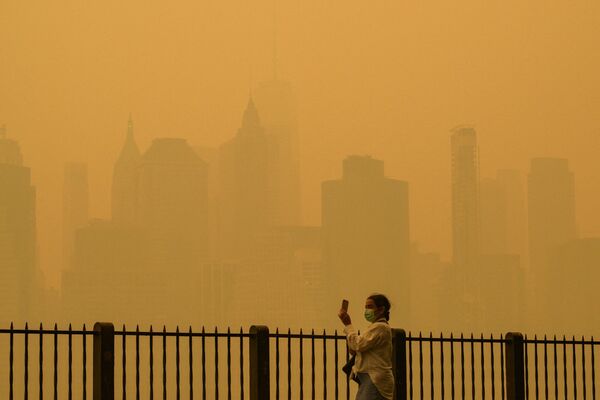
{"points": [[258, 364]]}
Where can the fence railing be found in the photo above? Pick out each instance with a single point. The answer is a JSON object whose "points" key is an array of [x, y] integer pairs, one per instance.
{"points": [[262, 365]]}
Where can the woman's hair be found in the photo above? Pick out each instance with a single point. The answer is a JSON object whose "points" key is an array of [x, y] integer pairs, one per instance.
{"points": [[381, 301]]}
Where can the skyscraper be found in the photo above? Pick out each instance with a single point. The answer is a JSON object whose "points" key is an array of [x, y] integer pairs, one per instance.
{"points": [[551, 203], [276, 102], [246, 198], [75, 205], [365, 233], [17, 234], [465, 210], [125, 180], [172, 201]]}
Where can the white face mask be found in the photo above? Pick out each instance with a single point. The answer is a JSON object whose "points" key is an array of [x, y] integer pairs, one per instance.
{"points": [[370, 314]]}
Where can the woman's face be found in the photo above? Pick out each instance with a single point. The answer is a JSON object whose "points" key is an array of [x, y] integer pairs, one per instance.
{"points": [[370, 304]]}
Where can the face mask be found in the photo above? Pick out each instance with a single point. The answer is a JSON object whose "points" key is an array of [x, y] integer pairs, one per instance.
{"points": [[370, 314]]}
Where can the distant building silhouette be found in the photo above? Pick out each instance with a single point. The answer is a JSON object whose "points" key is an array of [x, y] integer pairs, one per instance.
{"points": [[75, 205], [108, 278], [124, 198], [551, 197], [573, 276], [18, 273], [246, 201], [551, 209], [465, 224], [465, 197], [277, 105], [172, 202], [494, 217], [365, 227]]}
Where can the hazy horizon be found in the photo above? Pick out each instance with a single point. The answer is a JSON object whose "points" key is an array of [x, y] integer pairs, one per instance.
{"points": [[388, 79]]}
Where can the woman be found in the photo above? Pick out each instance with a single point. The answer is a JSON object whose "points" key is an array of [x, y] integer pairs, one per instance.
{"points": [[373, 349]]}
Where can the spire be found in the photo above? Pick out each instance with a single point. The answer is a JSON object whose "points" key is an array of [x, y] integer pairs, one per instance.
{"points": [[130, 127], [130, 150], [250, 119]]}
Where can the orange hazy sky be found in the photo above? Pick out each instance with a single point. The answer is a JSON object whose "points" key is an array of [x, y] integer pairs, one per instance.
{"points": [[388, 78]]}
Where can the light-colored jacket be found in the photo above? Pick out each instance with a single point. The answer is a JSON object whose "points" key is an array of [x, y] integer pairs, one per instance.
{"points": [[373, 349]]}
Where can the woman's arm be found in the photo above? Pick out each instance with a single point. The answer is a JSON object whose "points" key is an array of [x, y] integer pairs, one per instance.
{"points": [[370, 338]]}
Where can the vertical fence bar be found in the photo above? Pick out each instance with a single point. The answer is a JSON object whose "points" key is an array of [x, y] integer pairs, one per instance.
{"points": [[452, 366], [151, 362], [312, 364], [515, 385], [191, 361], [493, 377], [482, 349], [124, 366], [442, 391], [324, 365], [241, 364], [289, 364], [431, 388], [228, 363], [564, 346], [502, 365], [593, 369], [421, 366], [84, 377], [203, 342], [555, 370], [55, 363], [137, 362], [70, 361], [216, 364], [574, 370], [472, 343], [410, 365], [583, 367], [41, 362], [535, 360], [277, 364], [545, 367], [462, 366], [26, 366], [177, 368], [399, 363], [525, 348], [259, 363], [164, 362], [10, 361], [104, 361], [301, 361]]}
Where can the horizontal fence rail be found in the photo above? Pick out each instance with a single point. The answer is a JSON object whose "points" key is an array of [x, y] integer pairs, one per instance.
{"points": [[160, 363]]}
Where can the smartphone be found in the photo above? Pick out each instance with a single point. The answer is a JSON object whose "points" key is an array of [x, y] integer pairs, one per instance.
{"points": [[345, 305]]}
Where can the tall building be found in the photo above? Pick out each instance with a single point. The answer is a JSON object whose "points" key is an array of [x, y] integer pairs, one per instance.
{"points": [[551, 203], [277, 104], [17, 234], [75, 205], [465, 210], [172, 201], [365, 233], [125, 180], [246, 208]]}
